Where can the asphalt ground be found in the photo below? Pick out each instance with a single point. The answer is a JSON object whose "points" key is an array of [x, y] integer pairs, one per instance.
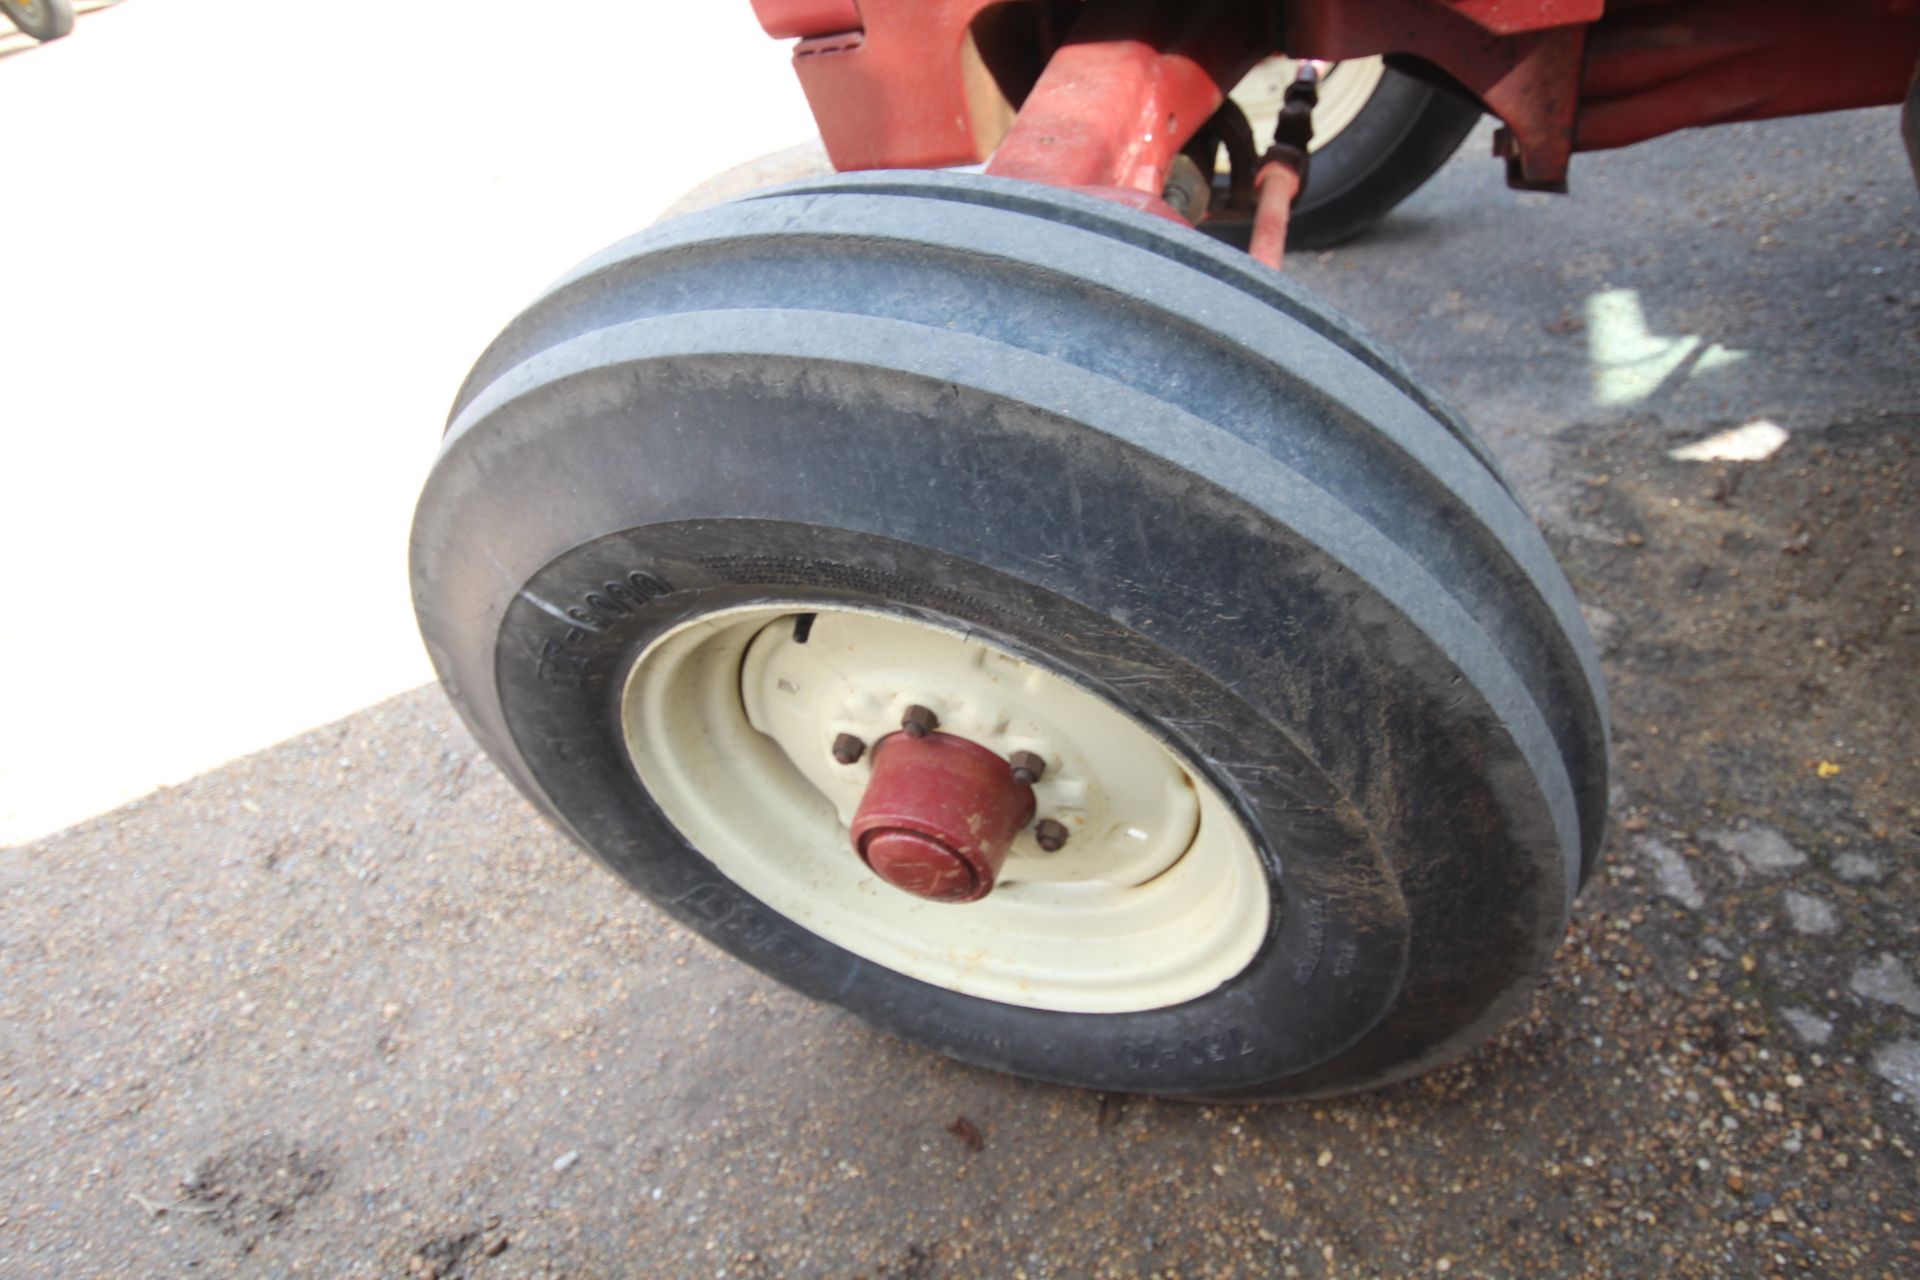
{"points": [[348, 1007]]}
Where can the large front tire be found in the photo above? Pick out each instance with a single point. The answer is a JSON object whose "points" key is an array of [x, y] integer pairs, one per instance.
{"points": [[1108, 454]]}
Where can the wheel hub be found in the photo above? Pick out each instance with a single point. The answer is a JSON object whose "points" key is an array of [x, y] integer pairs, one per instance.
{"points": [[1124, 809], [939, 816]]}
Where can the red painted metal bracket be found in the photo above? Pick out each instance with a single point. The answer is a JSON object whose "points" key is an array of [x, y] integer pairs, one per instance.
{"points": [[804, 19], [1133, 83], [908, 90], [911, 87], [1511, 17], [1526, 70], [1107, 103], [1654, 68]]}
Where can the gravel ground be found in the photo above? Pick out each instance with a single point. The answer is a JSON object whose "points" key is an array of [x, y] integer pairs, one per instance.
{"points": [[348, 1007]]}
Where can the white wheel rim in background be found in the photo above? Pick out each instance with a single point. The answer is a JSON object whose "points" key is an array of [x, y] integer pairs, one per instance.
{"points": [[1158, 898], [1345, 89]]}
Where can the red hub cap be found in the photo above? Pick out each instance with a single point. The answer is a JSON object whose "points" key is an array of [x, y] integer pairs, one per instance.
{"points": [[939, 815]]}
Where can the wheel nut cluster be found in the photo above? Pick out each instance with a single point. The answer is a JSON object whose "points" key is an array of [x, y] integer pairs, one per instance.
{"points": [[940, 812]]}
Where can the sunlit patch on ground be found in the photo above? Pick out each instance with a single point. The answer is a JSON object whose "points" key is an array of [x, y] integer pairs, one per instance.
{"points": [[1630, 363], [1754, 441]]}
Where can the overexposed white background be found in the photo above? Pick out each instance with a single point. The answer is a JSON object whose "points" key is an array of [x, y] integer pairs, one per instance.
{"points": [[249, 251]]}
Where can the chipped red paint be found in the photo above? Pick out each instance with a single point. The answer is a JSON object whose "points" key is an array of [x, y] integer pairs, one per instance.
{"points": [[939, 816]]}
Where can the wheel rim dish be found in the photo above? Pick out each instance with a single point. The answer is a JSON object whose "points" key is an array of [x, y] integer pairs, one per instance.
{"points": [[1054, 935]]}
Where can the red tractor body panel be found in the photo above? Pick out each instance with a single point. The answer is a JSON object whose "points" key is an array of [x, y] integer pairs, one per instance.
{"points": [[1103, 95]]}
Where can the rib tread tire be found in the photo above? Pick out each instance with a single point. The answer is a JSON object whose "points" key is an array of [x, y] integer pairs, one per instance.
{"points": [[1266, 407]]}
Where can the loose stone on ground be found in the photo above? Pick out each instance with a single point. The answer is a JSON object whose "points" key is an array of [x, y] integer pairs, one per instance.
{"points": [[1760, 849], [1671, 873]]}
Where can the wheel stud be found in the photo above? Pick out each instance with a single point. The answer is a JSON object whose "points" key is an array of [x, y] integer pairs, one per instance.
{"points": [[848, 749], [918, 722], [1028, 767], [1050, 835]]}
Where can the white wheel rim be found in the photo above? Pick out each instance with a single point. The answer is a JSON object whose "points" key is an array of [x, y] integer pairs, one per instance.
{"points": [[1345, 89], [1159, 896]]}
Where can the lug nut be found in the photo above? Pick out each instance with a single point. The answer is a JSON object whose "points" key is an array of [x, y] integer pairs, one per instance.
{"points": [[918, 722], [1028, 767], [848, 749], [1050, 835]]}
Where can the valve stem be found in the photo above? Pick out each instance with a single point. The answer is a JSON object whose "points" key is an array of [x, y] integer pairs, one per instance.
{"points": [[1283, 170]]}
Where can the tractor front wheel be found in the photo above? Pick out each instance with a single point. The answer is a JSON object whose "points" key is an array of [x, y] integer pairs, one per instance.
{"points": [[1048, 635]]}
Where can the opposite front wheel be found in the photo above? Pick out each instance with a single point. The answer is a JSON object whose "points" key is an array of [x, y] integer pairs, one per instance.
{"points": [[41, 19], [1023, 623], [1378, 135]]}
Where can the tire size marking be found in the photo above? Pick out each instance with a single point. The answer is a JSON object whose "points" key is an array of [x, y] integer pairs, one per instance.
{"points": [[574, 751], [955, 1033], [1194, 1051], [757, 931], [799, 571], [600, 609], [559, 669], [1315, 942], [614, 602]]}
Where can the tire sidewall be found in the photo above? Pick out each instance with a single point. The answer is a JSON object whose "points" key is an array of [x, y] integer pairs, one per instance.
{"points": [[1320, 980]]}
